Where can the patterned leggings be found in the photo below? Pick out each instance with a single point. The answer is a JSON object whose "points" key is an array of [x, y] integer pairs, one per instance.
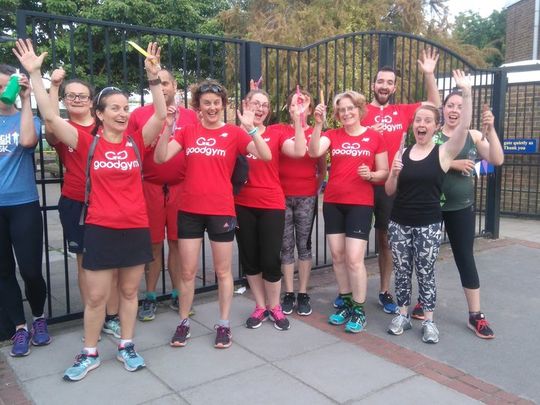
{"points": [[416, 247], [299, 215]]}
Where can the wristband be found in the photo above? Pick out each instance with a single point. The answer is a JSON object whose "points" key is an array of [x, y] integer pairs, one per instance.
{"points": [[253, 132], [154, 82]]}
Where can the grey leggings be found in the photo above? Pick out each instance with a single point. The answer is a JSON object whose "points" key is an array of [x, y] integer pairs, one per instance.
{"points": [[416, 247], [299, 215]]}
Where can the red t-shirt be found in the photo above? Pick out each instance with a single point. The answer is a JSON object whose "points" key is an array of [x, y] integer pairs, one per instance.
{"points": [[210, 158], [396, 118], [298, 175], [347, 153], [263, 189], [172, 171], [116, 197], [75, 166]]}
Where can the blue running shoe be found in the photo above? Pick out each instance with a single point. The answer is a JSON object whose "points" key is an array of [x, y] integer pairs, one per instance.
{"points": [[357, 321], [40, 333], [341, 316], [131, 359], [21, 343], [84, 363], [338, 302], [388, 304]]}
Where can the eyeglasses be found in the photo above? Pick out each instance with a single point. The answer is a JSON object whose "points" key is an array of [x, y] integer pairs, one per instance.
{"points": [[257, 105], [74, 96], [343, 110], [211, 88], [106, 90]]}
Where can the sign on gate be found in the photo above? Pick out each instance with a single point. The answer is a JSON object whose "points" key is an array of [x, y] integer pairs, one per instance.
{"points": [[520, 146]]}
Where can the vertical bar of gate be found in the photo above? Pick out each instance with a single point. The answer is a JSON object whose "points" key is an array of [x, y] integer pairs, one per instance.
{"points": [[386, 50], [250, 64], [493, 190]]}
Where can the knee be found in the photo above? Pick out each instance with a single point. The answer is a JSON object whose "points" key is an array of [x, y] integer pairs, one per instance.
{"points": [[96, 299], [224, 275], [338, 257], [128, 292]]}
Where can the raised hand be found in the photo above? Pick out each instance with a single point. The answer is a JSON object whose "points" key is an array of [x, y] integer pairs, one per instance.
{"points": [[428, 61], [462, 81], [151, 62], [57, 77], [246, 118], [25, 91], [24, 51], [320, 114], [397, 165]]}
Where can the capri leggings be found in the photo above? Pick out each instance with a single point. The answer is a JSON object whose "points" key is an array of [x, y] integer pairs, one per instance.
{"points": [[418, 248], [259, 236], [21, 230], [299, 216], [459, 226]]}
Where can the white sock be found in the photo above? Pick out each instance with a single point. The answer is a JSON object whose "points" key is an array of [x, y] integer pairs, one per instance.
{"points": [[37, 317], [90, 350], [124, 342]]}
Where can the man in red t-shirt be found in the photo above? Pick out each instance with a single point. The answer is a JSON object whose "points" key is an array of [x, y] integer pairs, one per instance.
{"points": [[162, 185], [392, 121]]}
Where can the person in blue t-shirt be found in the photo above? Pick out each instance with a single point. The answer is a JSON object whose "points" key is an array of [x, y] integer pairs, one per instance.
{"points": [[21, 228]]}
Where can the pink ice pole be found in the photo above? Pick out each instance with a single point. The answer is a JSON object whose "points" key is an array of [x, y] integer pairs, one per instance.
{"points": [[300, 102]]}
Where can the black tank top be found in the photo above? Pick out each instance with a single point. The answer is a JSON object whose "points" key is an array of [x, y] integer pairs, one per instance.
{"points": [[419, 187]]}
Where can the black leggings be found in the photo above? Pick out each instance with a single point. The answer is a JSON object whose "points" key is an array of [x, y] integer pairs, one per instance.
{"points": [[459, 226], [21, 230], [259, 236]]}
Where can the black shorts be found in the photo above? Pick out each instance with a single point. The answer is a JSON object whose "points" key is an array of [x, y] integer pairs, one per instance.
{"points": [[107, 248], [352, 220], [383, 208], [220, 228], [70, 214]]}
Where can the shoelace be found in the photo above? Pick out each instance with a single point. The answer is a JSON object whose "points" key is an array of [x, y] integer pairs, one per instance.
{"points": [[80, 359], [258, 313], [20, 336], [40, 326], [222, 332], [481, 324], [277, 313], [146, 304], [130, 351]]}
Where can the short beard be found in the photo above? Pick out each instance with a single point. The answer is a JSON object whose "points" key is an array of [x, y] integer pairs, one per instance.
{"points": [[381, 101]]}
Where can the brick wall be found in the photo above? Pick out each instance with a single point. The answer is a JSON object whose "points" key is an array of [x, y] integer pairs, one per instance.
{"points": [[519, 31]]}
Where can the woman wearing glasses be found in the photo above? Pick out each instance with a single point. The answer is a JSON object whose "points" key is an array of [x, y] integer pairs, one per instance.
{"points": [[116, 230], [260, 208], [211, 147], [358, 158], [77, 97]]}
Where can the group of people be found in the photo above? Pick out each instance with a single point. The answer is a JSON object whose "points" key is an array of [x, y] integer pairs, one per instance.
{"points": [[130, 177]]}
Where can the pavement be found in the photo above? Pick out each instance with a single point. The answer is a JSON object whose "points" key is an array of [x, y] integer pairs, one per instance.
{"points": [[315, 362]]}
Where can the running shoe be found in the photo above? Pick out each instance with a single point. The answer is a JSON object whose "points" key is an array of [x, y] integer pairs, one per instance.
{"points": [[223, 337], [180, 335], [280, 320], [387, 302], [357, 322], [399, 324], [84, 363], [21, 343], [147, 311], [303, 307], [131, 359], [341, 316], [257, 318], [338, 302], [430, 333], [478, 324], [287, 304], [174, 305], [418, 312], [40, 333], [112, 327]]}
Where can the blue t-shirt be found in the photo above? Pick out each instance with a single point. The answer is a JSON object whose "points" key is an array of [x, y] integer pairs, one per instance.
{"points": [[17, 180]]}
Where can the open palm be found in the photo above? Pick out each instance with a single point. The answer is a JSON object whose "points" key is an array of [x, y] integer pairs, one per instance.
{"points": [[24, 51]]}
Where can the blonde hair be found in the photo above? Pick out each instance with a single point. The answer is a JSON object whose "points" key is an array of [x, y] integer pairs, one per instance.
{"points": [[357, 99]]}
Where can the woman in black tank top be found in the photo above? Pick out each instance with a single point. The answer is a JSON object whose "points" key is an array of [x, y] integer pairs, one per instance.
{"points": [[414, 231]]}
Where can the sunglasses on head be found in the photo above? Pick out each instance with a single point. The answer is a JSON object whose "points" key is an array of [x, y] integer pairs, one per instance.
{"points": [[211, 88], [106, 90]]}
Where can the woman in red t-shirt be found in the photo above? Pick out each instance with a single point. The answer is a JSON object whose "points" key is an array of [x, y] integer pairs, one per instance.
{"points": [[77, 96], [260, 208], [116, 231], [211, 147], [358, 158]]}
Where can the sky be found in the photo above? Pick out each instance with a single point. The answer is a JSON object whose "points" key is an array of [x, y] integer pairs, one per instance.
{"points": [[482, 7]]}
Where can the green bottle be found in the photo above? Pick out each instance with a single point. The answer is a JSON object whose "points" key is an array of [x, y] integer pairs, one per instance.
{"points": [[11, 91]]}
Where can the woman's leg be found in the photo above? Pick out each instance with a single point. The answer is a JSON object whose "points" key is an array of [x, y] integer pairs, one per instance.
{"points": [[129, 279], [222, 258], [99, 288], [337, 249], [303, 225], [189, 250], [287, 248], [400, 242], [355, 250]]}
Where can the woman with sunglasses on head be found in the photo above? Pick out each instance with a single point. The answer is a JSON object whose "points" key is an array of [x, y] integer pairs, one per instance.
{"points": [[21, 227], [300, 180], [414, 235], [458, 203], [260, 208], [77, 97], [211, 147], [116, 235], [358, 158]]}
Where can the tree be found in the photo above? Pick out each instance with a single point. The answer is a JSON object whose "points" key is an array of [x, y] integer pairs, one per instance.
{"points": [[487, 35]]}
